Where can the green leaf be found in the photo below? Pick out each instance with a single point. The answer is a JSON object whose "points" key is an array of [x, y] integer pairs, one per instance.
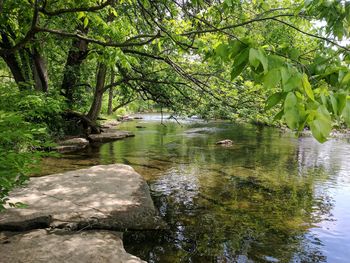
{"points": [[346, 79], [292, 118], [239, 63], [235, 47], [257, 56], [222, 51], [321, 125], [285, 74], [290, 101], [86, 22], [334, 104], [291, 113], [307, 87], [273, 100], [275, 61], [81, 15], [272, 78], [293, 83], [341, 99], [346, 112], [253, 57], [278, 116]]}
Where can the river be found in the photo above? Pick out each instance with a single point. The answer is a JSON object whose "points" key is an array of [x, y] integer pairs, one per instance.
{"points": [[270, 197]]}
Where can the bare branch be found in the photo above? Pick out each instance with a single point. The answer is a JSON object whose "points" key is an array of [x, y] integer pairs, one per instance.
{"points": [[127, 43], [77, 9], [213, 30], [313, 35]]}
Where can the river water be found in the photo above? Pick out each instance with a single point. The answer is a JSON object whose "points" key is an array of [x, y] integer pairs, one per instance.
{"points": [[270, 197]]}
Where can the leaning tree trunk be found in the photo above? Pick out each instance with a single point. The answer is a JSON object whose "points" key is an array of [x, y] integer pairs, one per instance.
{"points": [[12, 62], [26, 65], [98, 94], [110, 95]]}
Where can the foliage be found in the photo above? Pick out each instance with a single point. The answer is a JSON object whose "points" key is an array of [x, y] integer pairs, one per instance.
{"points": [[25, 119], [271, 61], [18, 141]]}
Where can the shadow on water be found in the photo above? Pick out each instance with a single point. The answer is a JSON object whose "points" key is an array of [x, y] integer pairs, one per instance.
{"points": [[269, 198]]}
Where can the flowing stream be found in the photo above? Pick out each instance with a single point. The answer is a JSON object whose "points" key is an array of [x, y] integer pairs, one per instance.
{"points": [[270, 197]]}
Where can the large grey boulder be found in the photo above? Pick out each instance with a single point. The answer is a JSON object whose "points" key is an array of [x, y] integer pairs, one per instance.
{"points": [[111, 197], [109, 135], [40, 246]]}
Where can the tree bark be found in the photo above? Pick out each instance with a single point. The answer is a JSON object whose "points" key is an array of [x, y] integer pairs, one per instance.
{"points": [[12, 62], [40, 72], [76, 55], [110, 95], [26, 64], [98, 94]]}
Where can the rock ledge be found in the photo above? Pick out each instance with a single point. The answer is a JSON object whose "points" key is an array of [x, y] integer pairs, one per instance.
{"points": [[111, 197], [41, 246]]}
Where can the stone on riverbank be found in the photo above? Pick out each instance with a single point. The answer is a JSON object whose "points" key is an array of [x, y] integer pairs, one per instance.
{"points": [[71, 145], [226, 142], [109, 135], [110, 124], [111, 197], [40, 246]]}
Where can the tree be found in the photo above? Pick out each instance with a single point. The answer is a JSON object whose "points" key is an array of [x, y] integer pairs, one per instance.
{"points": [[272, 43]]}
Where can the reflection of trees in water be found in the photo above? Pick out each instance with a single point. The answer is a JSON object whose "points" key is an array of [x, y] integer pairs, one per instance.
{"points": [[224, 214], [248, 202], [255, 200]]}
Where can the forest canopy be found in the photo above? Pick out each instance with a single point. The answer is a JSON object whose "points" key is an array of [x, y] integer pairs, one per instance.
{"points": [[63, 62]]}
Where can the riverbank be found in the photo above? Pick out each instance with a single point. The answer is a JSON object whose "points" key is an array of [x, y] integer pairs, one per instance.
{"points": [[109, 132], [95, 205]]}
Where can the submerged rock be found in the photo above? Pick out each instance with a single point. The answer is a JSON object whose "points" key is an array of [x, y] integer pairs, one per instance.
{"points": [[226, 142], [71, 145], [109, 135], [140, 127], [110, 124], [102, 197], [41, 246], [126, 118], [204, 130]]}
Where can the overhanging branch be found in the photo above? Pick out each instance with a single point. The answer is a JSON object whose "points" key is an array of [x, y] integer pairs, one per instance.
{"points": [[77, 9]]}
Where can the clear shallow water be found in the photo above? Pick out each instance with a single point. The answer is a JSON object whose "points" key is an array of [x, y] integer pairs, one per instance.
{"points": [[268, 198]]}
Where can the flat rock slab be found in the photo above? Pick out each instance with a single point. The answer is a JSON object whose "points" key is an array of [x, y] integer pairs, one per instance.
{"points": [[40, 246], [109, 135], [71, 145], [112, 197]]}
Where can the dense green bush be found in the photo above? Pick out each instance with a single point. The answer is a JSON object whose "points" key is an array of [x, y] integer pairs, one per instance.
{"points": [[27, 122], [19, 141]]}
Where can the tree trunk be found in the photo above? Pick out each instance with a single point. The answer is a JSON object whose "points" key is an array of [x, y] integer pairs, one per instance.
{"points": [[26, 59], [71, 75], [110, 95], [99, 90], [13, 64], [40, 72]]}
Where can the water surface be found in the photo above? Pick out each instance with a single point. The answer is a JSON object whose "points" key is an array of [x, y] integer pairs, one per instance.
{"points": [[270, 197]]}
